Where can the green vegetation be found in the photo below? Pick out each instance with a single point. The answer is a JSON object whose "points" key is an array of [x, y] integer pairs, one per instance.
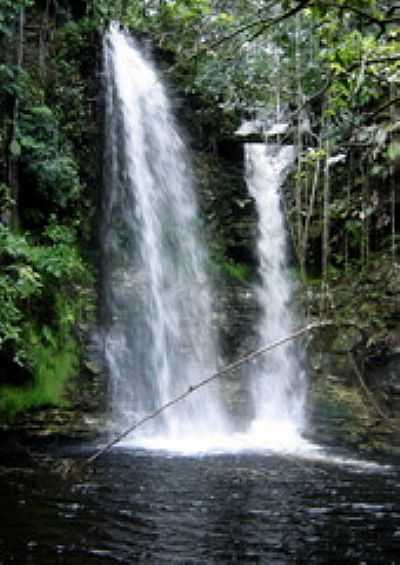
{"points": [[46, 203], [233, 270], [330, 70], [43, 298], [53, 358]]}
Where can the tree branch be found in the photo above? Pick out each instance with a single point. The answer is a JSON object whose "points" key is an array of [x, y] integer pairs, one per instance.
{"points": [[384, 107], [381, 22], [67, 468], [265, 23], [377, 61], [368, 394]]}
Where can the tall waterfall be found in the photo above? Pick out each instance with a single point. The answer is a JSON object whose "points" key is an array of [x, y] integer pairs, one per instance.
{"points": [[278, 385], [157, 315]]}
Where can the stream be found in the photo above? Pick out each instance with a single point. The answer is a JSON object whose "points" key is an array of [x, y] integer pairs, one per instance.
{"points": [[156, 507]]}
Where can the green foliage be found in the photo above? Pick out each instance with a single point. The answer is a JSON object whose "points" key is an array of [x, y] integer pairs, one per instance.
{"points": [[54, 360], [232, 269], [393, 151], [9, 10], [48, 133], [47, 158], [238, 271], [74, 59], [6, 198], [43, 297], [330, 69]]}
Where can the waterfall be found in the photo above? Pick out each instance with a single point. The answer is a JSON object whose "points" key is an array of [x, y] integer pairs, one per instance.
{"points": [[157, 313], [278, 381], [156, 296]]}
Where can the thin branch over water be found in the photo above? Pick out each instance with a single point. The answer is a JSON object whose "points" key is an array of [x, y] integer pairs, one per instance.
{"points": [[71, 466]]}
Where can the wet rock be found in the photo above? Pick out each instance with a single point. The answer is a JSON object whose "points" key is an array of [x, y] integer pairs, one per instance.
{"points": [[383, 374], [58, 423], [339, 405], [93, 366], [347, 339]]}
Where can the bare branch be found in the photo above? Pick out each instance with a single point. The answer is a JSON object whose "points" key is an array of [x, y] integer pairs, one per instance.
{"points": [[67, 468], [384, 107], [377, 61], [368, 394], [381, 22], [265, 23]]}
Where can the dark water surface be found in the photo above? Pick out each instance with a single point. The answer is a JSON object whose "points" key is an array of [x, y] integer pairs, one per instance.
{"points": [[143, 507]]}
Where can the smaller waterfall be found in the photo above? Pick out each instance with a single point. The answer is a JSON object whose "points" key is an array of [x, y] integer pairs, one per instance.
{"points": [[278, 380]]}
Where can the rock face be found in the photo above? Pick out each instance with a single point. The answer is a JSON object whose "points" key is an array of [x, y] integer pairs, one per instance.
{"points": [[383, 374], [231, 229], [356, 371]]}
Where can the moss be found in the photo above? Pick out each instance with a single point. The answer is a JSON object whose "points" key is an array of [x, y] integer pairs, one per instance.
{"points": [[353, 417], [53, 355], [237, 271], [54, 368], [232, 269]]}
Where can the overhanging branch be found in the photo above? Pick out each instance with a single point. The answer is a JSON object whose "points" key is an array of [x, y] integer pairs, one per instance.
{"points": [[66, 469], [265, 23]]}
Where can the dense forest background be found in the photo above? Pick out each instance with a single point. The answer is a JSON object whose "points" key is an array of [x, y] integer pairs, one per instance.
{"points": [[328, 70]]}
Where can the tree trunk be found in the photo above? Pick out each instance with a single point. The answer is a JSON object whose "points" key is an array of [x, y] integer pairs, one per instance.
{"points": [[13, 147], [392, 182], [43, 39], [348, 202], [299, 183], [310, 212], [326, 216]]}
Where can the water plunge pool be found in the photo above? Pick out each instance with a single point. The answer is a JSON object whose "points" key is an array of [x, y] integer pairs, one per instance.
{"points": [[152, 507]]}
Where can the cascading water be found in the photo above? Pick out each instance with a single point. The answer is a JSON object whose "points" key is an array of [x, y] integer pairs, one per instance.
{"points": [[158, 338], [278, 382], [157, 307]]}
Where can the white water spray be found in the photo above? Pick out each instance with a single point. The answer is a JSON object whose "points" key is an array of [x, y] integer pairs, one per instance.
{"points": [[158, 336]]}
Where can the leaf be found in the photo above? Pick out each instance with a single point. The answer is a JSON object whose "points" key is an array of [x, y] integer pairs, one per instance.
{"points": [[393, 151], [15, 149]]}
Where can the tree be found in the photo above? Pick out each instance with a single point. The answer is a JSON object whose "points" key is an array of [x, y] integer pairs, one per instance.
{"points": [[328, 68]]}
